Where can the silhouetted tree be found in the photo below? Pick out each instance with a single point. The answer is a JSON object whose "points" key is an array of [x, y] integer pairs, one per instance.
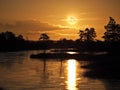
{"points": [[20, 38], [81, 34], [2, 37], [87, 34], [44, 37], [9, 35], [9, 41], [112, 31]]}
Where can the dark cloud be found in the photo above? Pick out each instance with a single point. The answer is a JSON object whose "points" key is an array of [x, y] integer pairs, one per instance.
{"points": [[31, 28], [26, 26]]}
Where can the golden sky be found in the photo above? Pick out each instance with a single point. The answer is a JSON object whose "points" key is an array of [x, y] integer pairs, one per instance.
{"points": [[57, 18]]}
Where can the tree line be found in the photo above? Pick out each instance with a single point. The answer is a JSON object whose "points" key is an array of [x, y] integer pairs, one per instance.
{"points": [[112, 33], [10, 42]]}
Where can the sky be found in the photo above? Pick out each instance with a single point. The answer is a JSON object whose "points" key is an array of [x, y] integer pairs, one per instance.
{"points": [[58, 18]]}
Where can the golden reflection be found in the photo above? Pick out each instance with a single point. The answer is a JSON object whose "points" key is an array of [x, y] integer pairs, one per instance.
{"points": [[72, 52], [71, 74]]}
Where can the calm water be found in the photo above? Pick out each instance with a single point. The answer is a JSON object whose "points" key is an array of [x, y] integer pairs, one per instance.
{"points": [[19, 72]]}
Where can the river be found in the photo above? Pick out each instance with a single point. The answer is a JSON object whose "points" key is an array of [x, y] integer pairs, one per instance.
{"points": [[19, 72]]}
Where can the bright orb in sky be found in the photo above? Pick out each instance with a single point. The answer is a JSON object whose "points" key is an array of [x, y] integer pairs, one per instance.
{"points": [[72, 20]]}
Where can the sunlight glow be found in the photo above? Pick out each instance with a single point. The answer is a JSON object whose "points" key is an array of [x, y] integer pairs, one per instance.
{"points": [[72, 20], [71, 74]]}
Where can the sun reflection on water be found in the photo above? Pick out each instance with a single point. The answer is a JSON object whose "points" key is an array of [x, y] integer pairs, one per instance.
{"points": [[71, 74], [71, 52]]}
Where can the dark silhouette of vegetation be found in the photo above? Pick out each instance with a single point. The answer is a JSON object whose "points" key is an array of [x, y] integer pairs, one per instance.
{"points": [[86, 43], [10, 42], [44, 37], [112, 31], [20, 38], [87, 34]]}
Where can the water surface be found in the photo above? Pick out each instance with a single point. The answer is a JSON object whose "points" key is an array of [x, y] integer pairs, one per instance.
{"points": [[19, 72]]}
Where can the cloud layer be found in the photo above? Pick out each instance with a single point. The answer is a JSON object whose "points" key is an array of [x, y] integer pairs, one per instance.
{"points": [[29, 25]]}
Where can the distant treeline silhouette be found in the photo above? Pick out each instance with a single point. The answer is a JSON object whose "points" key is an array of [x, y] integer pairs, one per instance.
{"points": [[10, 42]]}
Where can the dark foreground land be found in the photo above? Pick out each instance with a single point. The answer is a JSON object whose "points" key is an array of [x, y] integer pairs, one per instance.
{"points": [[105, 68]]}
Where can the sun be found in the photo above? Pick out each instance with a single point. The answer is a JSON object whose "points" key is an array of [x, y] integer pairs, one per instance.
{"points": [[72, 20]]}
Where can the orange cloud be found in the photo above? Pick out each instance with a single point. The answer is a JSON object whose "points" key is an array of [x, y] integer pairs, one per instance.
{"points": [[29, 26]]}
